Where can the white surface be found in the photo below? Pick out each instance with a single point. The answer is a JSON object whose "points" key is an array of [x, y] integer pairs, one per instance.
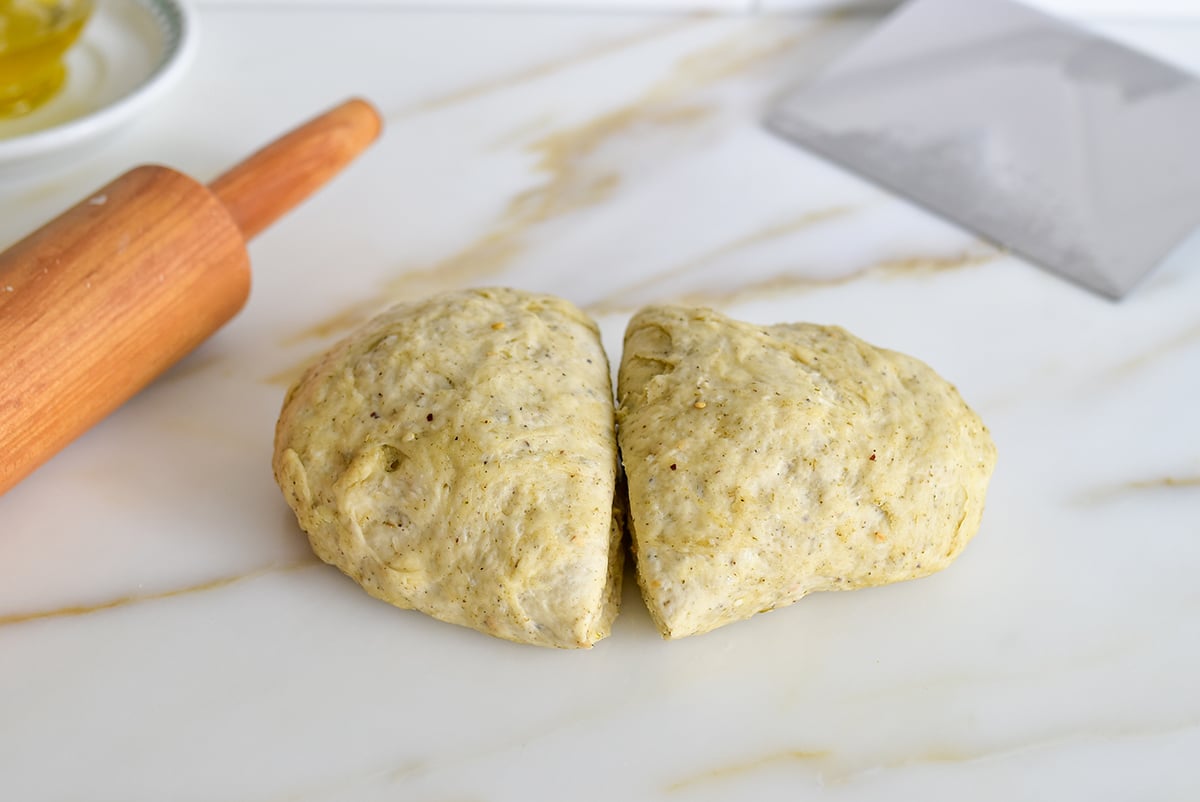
{"points": [[615, 160], [131, 53], [1126, 9]]}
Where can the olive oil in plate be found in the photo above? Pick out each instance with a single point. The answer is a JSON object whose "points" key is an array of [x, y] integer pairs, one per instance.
{"points": [[34, 35]]}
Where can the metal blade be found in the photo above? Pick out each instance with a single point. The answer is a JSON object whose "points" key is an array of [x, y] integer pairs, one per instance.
{"points": [[1072, 150]]}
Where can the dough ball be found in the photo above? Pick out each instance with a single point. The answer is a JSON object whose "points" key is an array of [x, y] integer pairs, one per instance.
{"points": [[458, 456], [768, 462]]}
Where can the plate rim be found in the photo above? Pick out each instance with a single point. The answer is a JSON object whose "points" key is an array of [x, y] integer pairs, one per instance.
{"points": [[104, 119]]}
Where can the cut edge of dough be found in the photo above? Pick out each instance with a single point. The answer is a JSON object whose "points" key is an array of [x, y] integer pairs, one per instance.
{"points": [[972, 508], [369, 572]]}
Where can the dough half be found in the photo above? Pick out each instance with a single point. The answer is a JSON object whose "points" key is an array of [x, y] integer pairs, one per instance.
{"points": [[458, 456], [765, 463]]}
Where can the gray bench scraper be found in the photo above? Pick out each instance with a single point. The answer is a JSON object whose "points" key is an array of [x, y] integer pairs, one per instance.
{"points": [[1073, 151]]}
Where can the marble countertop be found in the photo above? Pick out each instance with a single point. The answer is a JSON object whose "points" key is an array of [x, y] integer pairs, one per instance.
{"points": [[165, 632]]}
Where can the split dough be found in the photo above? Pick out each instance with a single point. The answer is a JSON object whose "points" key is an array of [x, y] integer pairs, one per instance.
{"points": [[458, 456], [765, 463]]}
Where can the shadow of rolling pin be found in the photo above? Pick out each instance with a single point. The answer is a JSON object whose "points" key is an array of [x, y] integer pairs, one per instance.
{"points": [[104, 298]]}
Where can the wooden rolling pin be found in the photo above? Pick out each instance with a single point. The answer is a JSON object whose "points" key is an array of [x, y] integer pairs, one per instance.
{"points": [[101, 300]]}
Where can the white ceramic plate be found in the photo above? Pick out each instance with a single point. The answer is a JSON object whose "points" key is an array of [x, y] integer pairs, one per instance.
{"points": [[130, 53]]}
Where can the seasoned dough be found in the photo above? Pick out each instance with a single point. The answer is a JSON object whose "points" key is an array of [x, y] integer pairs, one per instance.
{"points": [[765, 463], [458, 457]]}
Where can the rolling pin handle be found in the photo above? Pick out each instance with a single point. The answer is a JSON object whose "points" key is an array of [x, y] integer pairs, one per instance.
{"points": [[261, 189]]}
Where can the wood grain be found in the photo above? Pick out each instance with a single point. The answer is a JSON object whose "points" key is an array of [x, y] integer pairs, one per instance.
{"points": [[98, 302], [265, 186], [104, 298]]}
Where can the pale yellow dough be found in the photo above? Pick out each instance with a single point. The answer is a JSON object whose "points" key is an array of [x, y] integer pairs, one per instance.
{"points": [[458, 456], [765, 463]]}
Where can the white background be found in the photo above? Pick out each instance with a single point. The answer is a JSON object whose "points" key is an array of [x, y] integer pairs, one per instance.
{"points": [[1127, 9]]}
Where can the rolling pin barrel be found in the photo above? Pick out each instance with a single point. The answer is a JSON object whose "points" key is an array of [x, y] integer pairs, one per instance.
{"points": [[104, 298], [101, 300]]}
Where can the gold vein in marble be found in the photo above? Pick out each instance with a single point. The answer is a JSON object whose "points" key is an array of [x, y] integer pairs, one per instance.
{"points": [[546, 68], [1066, 739], [521, 133], [790, 756], [1113, 492], [571, 183], [139, 598], [455, 763], [1188, 337], [346, 319], [292, 373], [1168, 481], [831, 769], [614, 302], [484, 256], [771, 286], [889, 269]]}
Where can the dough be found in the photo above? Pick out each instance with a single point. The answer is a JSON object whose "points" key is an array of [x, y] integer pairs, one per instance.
{"points": [[765, 463], [458, 456]]}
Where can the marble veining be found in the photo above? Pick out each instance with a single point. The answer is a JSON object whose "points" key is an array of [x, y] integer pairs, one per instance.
{"points": [[564, 160], [1189, 336], [140, 598], [802, 756], [1109, 493], [792, 283], [164, 628], [545, 68], [829, 772], [617, 302]]}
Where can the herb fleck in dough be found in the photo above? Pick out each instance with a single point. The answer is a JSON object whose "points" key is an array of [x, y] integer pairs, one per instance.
{"points": [[457, 456], [766, 463]]}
